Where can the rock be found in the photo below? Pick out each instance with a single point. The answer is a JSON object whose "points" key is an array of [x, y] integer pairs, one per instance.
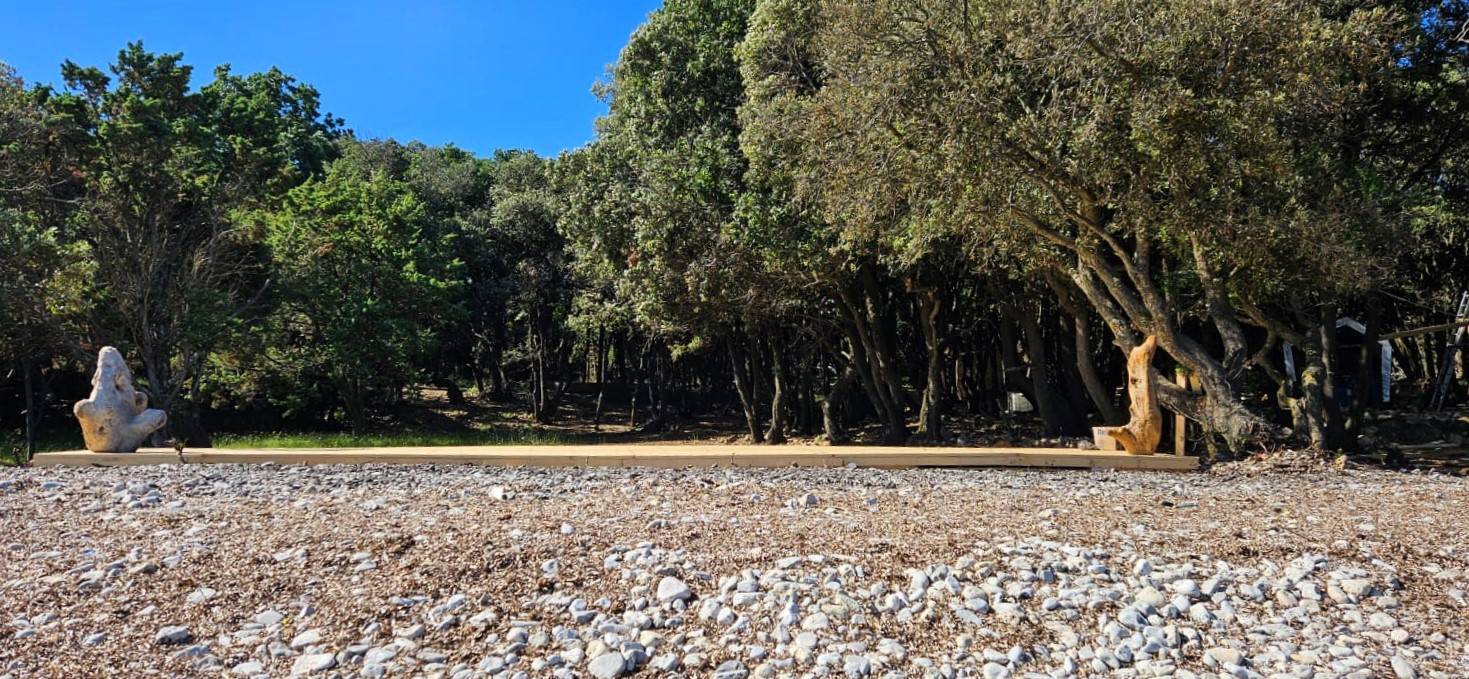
{"points": [[199, 596], [673, 589], [1187, 588], [1223, 655], [310, 637], [269, 618], [1403, 668], [815, 621], [313, 663], [1380, 620], [730, 669], [248, 669], [116, 417], [607, 666], [93, 639], [173, 635]]}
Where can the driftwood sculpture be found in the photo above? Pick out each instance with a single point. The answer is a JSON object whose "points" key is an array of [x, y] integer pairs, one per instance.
{"points": [[1141, 434], [115, 418]]}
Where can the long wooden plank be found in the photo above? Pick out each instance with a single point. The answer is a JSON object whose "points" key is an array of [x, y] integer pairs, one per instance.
{"points": [[613, 455]]}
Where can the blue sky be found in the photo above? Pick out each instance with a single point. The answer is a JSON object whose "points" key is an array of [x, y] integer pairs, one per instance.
{"points": [[483, 75]]}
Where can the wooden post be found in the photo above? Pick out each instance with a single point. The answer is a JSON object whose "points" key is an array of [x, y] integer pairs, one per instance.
{"points": [[1180, 423]]}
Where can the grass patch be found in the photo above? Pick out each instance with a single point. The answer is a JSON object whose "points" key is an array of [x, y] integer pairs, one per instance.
{"points": [[505, 437], [12, 444]]}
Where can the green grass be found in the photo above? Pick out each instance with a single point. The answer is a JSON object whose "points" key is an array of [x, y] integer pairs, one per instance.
{"points": [[497, 437], [505, 437], [46, 443]]}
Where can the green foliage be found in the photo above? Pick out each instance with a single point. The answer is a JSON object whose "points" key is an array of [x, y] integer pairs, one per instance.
{"points": [[861, 198], [363, 284], [494, 437]]}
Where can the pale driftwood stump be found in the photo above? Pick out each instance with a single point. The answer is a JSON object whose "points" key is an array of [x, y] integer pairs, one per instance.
{"points": [[1143, 432], [115, 418]]}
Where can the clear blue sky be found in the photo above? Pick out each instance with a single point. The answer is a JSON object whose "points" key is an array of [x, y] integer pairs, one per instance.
{"points": [[482, 74]]}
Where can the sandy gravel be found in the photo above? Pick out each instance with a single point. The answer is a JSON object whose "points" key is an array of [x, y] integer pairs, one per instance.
{"points": [[95, 563]]}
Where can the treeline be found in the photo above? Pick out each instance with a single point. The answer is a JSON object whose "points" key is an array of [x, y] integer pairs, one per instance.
{"points": [[816, 213]]}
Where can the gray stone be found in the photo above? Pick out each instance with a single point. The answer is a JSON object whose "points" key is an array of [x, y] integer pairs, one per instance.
{"points": [[607, 666], [173, 635], [1187, 588], [730, 669], [1382, 620], [116, 417], [248, 669], [815, 621], [310, 637], [1403, 668], [313, 663], [199, 596], [1223, 655], [673, 589]]}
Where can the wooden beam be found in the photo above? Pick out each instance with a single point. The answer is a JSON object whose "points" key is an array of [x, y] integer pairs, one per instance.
{"points": [[1424, 330], [1180, 423], [655, 455]]}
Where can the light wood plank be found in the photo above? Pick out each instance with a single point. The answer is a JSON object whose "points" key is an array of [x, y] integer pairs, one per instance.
{"points": [[664, 456]]}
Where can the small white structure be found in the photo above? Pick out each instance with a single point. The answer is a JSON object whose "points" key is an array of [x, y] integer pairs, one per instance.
{"points": [[116, 417]]}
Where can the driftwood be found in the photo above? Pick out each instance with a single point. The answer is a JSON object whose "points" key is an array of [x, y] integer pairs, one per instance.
{"points": [[1143, 432], [116, 418]]}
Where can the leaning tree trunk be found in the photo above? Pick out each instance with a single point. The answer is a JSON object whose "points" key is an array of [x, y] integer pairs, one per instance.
{"points": [[1218, 409], [739, 365], [1086, 366]]}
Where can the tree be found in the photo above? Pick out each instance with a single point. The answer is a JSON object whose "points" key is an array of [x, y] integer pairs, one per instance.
{"points": [[1123, 146], [45, 278], [165, 172], [363, 285], [523, 228]]}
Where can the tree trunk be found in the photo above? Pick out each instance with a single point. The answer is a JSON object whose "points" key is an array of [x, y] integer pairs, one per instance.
{"points": [[632, 408], [738, 363], [1087, 368], [601, 377], [1217, 409], [1369, 369], [776, 435], [930, 416], [832, 407], [32, 418], [1336, 438], [870, 367], [1047, 401]]}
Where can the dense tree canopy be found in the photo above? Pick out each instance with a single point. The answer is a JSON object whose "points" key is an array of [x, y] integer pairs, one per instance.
{"points": [[811, 215]]}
